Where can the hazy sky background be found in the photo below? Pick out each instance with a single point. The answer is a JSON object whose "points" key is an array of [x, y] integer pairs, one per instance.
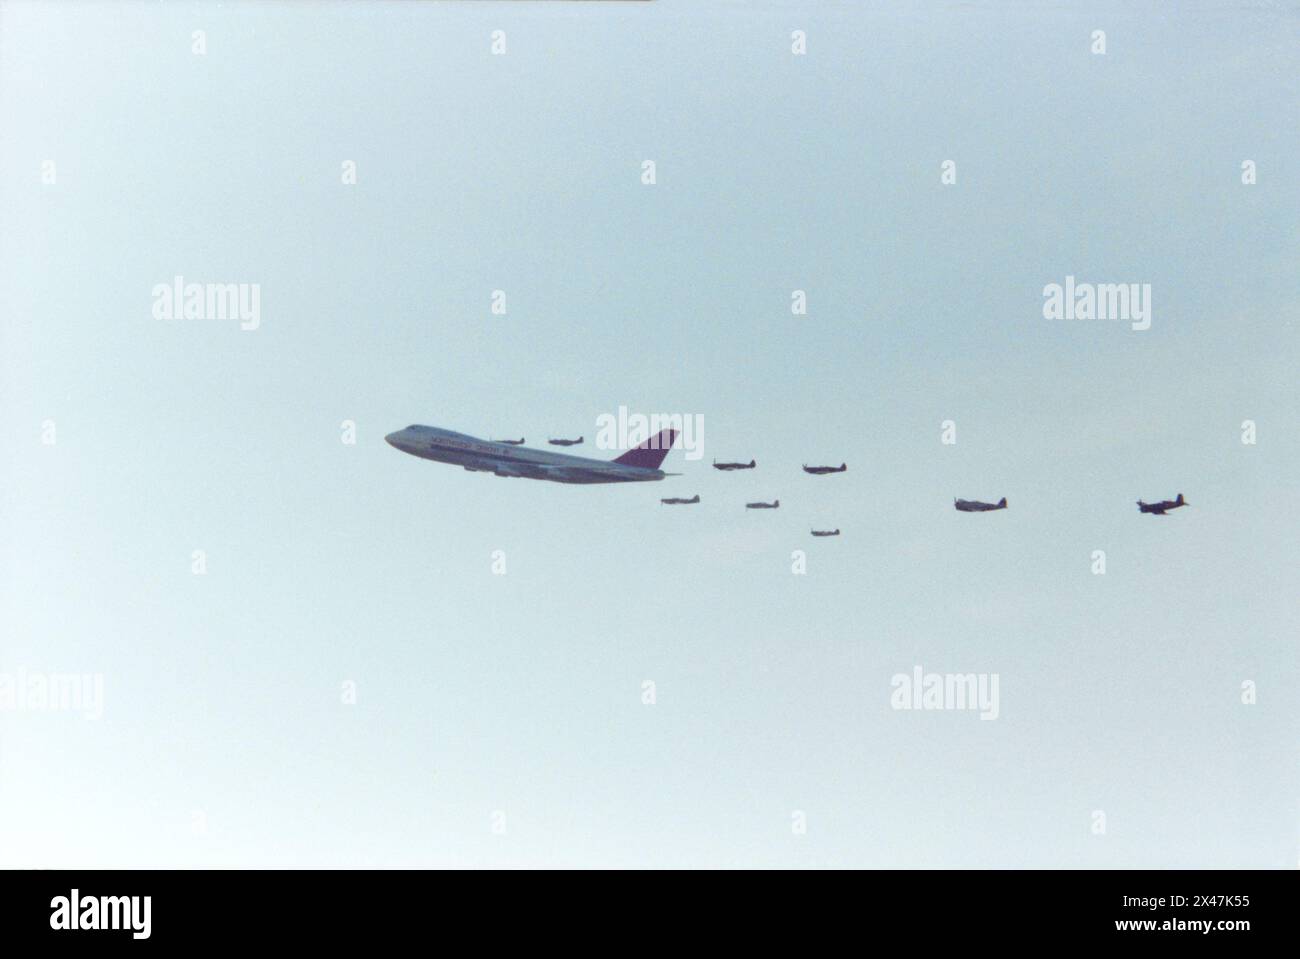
{"points": [[223, 739]]}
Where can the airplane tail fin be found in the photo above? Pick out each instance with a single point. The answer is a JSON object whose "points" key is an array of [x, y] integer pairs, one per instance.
{"points": [[1003, 502], [650, 454], [1180, 500]]}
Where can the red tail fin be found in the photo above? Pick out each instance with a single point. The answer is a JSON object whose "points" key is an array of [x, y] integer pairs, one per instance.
{"points": [[651, 453]]}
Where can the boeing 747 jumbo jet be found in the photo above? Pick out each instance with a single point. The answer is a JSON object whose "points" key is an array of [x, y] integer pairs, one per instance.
{"points": [[485, 456]]}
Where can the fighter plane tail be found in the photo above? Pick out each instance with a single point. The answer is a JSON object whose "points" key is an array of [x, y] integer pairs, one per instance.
{"points": [[650, 454], [1180, 501], [1003, 502]]}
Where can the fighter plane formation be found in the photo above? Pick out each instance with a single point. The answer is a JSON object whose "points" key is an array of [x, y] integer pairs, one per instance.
{"points": [[640, 464]]}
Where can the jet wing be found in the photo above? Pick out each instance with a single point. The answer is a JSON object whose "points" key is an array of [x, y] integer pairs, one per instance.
{"points": [[519, 470]]}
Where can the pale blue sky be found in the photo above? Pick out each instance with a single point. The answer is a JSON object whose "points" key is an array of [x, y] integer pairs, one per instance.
{"points": [[522, 692]]}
